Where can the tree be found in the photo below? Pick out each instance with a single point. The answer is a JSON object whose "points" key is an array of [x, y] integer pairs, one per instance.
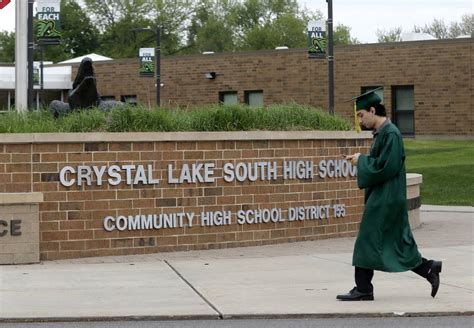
{"points": [[342, 35], [211, 27], [232, 25], [440, 30], [270, 23], [106, 13], [214, 35], [467, 25], [120, 41], [392, 35], [286, 30], [173, 17], [7, 47], [437, 28], [79, 36], [193, 26], [117, 18]]}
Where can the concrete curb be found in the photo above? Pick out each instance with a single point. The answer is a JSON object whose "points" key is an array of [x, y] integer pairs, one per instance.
{"points": [[237, 317], [109, 318], [347, 315], [442, 208]]}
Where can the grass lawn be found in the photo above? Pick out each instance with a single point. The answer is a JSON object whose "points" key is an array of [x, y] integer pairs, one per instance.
{"points": [[447, 167]]}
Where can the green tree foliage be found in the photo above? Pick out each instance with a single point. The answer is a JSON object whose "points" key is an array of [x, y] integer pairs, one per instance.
{"points": [[107, 13], [437, 28], [172, 17], [214, 35], [120, 41], [78, 35], [342, 35], [466, 27], [392, 35], [117, 18], [7, 47], [285, 30], [187, 27], [53, 53], [211, 28], [270, 23], [201, 25], [440, 30]]}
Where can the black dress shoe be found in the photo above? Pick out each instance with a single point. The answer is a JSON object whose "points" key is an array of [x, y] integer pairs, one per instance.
{"points": [[355, 295], [433, 276]]}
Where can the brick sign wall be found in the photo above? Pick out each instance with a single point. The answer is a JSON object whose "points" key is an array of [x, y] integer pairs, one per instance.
{"points": [[137, 193]]}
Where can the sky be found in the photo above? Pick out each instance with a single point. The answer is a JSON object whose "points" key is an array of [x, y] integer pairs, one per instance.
{"points": [[364, 17]]}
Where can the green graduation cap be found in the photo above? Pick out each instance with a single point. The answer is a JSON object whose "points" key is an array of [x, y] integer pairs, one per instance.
{"points": [[367, 99]]}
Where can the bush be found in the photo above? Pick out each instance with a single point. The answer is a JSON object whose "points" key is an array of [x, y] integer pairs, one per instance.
{"points": [[210, 118], [40, 121], [83, 121]]}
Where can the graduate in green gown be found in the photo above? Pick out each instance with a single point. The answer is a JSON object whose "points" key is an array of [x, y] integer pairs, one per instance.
{"points": [[385, 241]]}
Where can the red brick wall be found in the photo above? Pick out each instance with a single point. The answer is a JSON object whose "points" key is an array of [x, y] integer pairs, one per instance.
{"points": [[441, 72], [71, 218]]}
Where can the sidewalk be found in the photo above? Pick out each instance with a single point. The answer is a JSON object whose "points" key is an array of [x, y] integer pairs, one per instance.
{"points": [[279, 281]]}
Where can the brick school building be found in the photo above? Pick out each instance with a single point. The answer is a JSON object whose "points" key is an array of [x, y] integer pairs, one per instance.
{"points": [[427, 84]]}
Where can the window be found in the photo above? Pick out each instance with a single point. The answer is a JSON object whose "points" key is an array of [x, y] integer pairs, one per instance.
{"points": [[107, 98], [378, 92], [254, 98], [5, 97], [131, 99], [403, 102], [12, 102], [228, 98]]}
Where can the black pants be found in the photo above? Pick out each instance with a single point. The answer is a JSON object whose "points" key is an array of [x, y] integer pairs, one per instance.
{"points": [[363, 277]]}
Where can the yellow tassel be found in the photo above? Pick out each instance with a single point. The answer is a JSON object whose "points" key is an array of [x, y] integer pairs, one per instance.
{"points": [[356, 121]]}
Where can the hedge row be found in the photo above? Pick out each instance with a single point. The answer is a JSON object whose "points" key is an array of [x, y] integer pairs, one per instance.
{"points": [[211, 118]]}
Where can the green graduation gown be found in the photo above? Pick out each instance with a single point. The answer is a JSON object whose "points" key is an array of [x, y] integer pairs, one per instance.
{"points": [[385, 241]]}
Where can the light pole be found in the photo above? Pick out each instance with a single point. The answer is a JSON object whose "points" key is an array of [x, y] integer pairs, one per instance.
{"points": [[330, 59], [157, 57], [21, 57], [31, 45]]}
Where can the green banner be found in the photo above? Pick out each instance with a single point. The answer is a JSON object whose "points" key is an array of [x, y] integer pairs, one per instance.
{"points": [[48, 24], [317, 42], [147, 61]]}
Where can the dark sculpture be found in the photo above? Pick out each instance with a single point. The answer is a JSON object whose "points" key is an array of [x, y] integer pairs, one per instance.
{"points": [[84, 88], [84, 93]]}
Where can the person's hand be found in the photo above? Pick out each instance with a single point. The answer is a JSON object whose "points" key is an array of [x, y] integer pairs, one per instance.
{"points": [[353, 158]]}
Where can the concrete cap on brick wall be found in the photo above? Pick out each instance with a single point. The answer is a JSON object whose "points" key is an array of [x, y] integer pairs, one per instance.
{"points": [[21, 198], [15, 138], [414, 179]]}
